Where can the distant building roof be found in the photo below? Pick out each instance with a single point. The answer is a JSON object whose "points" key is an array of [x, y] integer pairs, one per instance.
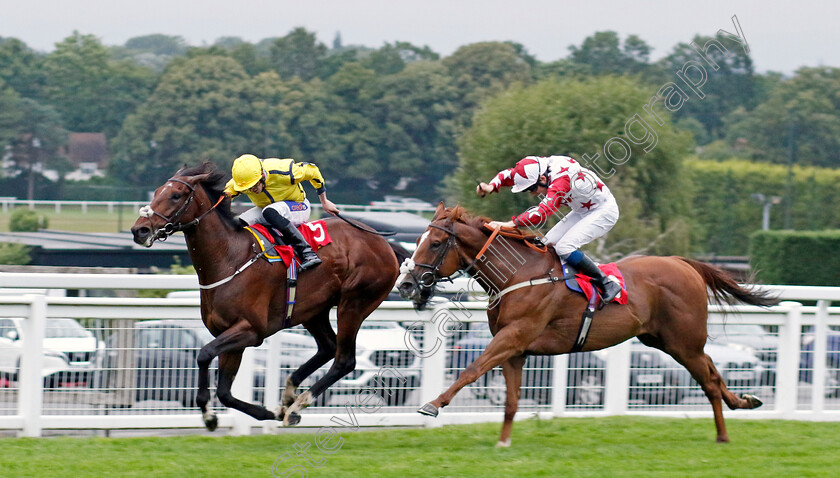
{"points": [[88, 148]]}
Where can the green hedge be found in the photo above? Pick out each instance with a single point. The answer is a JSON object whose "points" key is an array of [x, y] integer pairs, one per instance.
{"points": [[796, 257], [725, 215]]}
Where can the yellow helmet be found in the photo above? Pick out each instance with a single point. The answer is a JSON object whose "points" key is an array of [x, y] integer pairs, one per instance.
{"points": [[247, 171]]}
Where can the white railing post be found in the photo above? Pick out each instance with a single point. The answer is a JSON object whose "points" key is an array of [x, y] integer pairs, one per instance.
{"points": [[272, 381], [617, 379], [559, 383], [243, 389], [434, 362], [787, 370], [819, 357], [31, 392]]}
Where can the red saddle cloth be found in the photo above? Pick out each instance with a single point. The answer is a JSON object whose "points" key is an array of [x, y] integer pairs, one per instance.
{"points": [[315, 233], [610, 269]]}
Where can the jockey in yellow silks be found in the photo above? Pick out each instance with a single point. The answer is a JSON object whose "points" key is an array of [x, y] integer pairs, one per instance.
{"points": [[275, 186]]}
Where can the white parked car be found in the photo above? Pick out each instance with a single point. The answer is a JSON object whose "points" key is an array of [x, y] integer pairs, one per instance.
{"points": [[69, 351]]}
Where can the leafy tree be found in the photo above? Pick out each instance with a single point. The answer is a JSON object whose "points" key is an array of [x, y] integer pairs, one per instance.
{"points": [[14, 254], [20, 68], [10, 114], [91, 93], [158, 44], [481, 70], [800, 121], [577, 117], [733, 85], [38, 136], [297, 54], [199, 110], [604, 54]]}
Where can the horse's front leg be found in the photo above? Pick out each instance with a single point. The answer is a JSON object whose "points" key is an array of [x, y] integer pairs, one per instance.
{"points": [[233, 340], [512, 370], [228, 366], [511, 341]]}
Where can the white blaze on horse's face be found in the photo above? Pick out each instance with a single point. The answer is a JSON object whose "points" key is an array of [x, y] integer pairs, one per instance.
{"points": [[409, 266]]}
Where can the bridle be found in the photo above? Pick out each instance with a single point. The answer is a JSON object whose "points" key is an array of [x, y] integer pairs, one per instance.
{"points": [[429, 279], [171, 226]]}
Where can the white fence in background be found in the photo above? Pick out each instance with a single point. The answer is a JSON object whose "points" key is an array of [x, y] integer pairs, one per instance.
{"points": [[562, 386], [8, 203]]}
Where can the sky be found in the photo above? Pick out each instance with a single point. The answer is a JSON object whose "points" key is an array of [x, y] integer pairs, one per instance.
{"points": [[782, 35]]}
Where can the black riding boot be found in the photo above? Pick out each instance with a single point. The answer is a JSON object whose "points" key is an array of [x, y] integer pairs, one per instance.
{"points": [[294, 238], [609, 289]]}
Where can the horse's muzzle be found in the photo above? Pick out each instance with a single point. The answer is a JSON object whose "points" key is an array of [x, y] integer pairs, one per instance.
{"points": [[407, 290], [142, 235]]}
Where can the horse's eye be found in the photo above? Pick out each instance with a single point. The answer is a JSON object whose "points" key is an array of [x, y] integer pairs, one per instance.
{"points": [[435, 244], [176, 196]]}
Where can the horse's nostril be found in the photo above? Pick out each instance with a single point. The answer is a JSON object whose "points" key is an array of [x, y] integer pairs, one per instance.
{"points": [[406, 290]]}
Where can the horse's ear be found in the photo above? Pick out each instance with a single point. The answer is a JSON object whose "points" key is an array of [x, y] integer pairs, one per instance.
{"points": [[439, 211], [198, 179]]}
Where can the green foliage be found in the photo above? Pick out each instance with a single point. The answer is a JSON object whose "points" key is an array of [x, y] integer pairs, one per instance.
{"points": [[728, 215], [90, 92], [801, 117], [14, 254], [24, 220], [575, 117], [297, 54], [604, 54], [733, 85], [796, 257]]}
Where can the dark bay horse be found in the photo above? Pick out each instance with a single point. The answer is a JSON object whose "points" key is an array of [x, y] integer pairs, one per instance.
{"points": [[243, 299], [667, 308]]}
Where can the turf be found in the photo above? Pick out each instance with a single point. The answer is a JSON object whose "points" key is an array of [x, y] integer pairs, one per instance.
{"points": [[613, 446]]}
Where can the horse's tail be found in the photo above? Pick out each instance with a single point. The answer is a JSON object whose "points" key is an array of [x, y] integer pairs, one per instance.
{"points": [[399, 251], [724, 289]]}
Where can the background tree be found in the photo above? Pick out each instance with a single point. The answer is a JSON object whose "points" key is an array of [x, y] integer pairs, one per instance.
{"points": [[604, 54], [800, 121], [91, 93], [297, 54], [732, 86], [576, 117], [199, 110], [38, 137], [20, 68]]}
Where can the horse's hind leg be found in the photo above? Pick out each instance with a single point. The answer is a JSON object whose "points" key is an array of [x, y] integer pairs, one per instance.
{"points": [[704, 372], [320, 328], [512, 370]]}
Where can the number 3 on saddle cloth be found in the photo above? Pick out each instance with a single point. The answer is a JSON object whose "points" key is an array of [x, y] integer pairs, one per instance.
{"points": [[315, 234], [583, 284]]}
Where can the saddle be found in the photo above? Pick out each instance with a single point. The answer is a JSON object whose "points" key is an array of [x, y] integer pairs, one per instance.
{"points": [[274, 249]]}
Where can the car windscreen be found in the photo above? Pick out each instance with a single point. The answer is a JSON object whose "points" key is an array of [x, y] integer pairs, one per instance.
{"points": [[64, 328]]}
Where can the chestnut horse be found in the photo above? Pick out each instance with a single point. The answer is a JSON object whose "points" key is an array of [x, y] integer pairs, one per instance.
{"points": [[667, 307], [243, 298]]}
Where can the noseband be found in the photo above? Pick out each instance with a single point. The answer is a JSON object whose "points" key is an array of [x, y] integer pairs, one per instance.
{"points": [[430, 278], [171, 226]]}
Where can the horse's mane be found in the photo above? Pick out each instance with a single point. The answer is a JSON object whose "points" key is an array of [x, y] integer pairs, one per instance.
{"points": [[214, 186], [460, 214]]}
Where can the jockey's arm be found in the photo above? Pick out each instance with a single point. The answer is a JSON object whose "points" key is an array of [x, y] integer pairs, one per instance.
{"points": [[327, 204]]}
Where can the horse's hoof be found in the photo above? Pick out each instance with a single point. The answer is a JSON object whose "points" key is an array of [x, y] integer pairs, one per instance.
{"points": [[211, 421], [292, 419], [428, 410], [503, 444], [753, 401]]}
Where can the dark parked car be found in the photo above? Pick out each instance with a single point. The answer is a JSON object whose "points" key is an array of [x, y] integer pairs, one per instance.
{"points": [[806, 362], [655, 377]]}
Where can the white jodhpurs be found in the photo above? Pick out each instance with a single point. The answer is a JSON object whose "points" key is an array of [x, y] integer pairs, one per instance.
{"points": [[296, 212], [578, 229]]}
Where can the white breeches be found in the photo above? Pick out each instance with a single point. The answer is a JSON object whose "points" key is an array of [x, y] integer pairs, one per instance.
{"points": [[296, 212], [578, 229]]}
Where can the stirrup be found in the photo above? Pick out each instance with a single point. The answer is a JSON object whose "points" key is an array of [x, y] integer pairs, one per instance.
{"points": [[308, 263]]}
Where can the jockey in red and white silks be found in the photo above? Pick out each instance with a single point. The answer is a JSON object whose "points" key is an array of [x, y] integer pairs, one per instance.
{"points": [[562, 181]]}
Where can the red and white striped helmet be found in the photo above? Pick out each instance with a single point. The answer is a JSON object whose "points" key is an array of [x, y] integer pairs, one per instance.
{"points": [[526, 173]]}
